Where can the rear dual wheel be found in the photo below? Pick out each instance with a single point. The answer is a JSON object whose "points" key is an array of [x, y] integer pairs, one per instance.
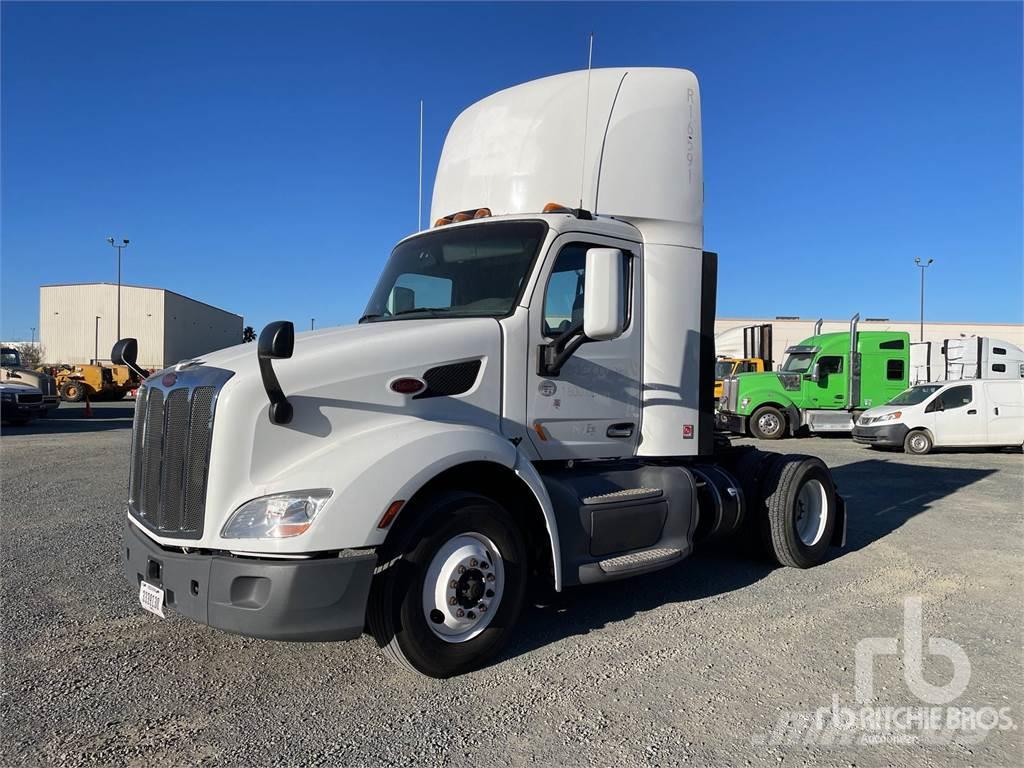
{"points": [[802, 510], [794, 505], [451, 586]]}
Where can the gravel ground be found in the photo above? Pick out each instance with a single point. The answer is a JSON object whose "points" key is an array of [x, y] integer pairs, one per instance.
{"points": [[699, 664]]}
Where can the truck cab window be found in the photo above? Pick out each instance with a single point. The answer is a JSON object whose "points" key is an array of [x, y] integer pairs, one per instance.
{"points": [[830, 364], [563, 299], [473, 270], [894, 370], [798, 362], [956, 397]]}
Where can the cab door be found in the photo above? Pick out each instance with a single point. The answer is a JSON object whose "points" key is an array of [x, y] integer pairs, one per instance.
{"points": [[829, 391], [591, 409], [960, 417]]}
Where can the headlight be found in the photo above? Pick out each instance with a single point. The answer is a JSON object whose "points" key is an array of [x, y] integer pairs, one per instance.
{"points": [[744, 402], [890, 416], [276, 517]]}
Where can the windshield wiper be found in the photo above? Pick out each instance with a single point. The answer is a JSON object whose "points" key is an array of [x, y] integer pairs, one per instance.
{"points": [[371, 316]]}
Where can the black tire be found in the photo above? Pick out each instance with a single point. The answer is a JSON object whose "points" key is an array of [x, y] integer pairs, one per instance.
{"points": [[768, 423], [918, 442], [72, 391], [395, 613], [786, 508]]}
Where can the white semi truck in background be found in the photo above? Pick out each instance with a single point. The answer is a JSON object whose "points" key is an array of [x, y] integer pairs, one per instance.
{"points": [[526, 400]]}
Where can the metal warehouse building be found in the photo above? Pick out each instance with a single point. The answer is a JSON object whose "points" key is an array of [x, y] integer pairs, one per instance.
{"points": [[78, 323]]}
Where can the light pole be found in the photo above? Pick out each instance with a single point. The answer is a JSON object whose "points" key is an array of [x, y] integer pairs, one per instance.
{"points": [[923, 266], [33, 335], [120, 247], [312, 323], [96, 348]]}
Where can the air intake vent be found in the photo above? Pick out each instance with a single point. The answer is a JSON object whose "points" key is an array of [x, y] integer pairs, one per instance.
{"points": [[452, 379]]}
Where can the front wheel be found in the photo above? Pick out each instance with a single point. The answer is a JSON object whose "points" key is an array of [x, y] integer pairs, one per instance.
{"points": [[451, 587], [768, 423], [917, 442], [802, 508], [72, 392]]}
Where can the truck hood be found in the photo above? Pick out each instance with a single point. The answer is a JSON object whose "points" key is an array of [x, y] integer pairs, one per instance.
{"points": [[338, 382]]}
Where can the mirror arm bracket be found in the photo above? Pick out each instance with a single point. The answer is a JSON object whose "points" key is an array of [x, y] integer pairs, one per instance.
{"points": [[280, 409], [554, 355], [276, 342]]}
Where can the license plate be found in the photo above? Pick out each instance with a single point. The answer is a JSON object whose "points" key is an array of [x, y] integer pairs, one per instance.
{"points": [[152, 598]]}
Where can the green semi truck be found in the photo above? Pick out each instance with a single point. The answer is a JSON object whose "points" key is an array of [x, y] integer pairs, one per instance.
{"points": [[824, 383]]}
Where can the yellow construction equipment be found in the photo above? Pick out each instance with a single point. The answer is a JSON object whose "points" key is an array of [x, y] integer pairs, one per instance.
{"points": [[97, 382]]}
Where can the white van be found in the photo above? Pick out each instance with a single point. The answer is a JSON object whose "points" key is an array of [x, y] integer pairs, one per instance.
{"points": [[947, 414]]}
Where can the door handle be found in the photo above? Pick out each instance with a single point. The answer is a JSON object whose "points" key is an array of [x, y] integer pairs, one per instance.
{"points": [[974, 411], [997, 410], [620, 430]]}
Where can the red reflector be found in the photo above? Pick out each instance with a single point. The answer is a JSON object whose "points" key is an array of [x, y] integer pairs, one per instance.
{"points": [[408, 386]]}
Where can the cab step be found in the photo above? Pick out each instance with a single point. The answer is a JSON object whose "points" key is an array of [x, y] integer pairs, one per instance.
{"points": [[640, 560]]}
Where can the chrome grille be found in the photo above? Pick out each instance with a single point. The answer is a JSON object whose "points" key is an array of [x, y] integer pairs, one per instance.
{"points": [[171, 441]]}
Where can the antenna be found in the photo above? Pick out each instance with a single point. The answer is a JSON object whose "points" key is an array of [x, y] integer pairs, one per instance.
{"points": [[586, 118], [419, 201]]}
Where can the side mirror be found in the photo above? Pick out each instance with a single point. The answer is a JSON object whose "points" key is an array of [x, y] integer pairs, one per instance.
{"points": [[934, 405], [816, 372], [277, 342], [126, 352], [604, 310]]}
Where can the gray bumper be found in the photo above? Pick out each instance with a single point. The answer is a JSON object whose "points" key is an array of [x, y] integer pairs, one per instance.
{"points": [[889, 434], [732, 422], [316, 599]]}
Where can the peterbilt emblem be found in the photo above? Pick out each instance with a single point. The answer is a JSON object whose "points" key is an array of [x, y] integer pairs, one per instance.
{"points": [[169, 379]]}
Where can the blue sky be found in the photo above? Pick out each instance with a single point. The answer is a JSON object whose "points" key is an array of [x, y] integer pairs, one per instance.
{"points": [[262, 157]]}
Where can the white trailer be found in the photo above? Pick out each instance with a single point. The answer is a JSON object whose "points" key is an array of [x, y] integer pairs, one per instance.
{"points": [[967, 357], [526, 401]]}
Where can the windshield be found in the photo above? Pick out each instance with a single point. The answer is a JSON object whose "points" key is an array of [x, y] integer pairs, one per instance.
{"points": [[798, 362], [11, 358], [723, 368], [471, 271], [915, 395]]}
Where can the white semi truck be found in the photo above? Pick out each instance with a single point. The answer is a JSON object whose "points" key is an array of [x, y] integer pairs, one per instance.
{"points": [[527, 400]]}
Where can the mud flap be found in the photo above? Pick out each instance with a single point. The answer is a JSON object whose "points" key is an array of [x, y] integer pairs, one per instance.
{"points": [[839, 530]]}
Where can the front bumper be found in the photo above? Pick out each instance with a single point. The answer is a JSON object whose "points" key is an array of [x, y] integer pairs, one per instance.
{"points": [[883, 434], [732, 422], [15, 410], [316, 599]]}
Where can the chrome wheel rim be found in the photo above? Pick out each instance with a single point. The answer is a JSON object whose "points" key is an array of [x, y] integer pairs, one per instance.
{"points": [[768, 423], [463, 587], [811, 512]]}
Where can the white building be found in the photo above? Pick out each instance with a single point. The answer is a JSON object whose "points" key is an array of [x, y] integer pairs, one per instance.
{"points": [[787, 331], [78, 323]]}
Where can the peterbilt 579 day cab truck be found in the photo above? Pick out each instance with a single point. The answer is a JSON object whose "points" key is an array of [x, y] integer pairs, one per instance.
{"points": [[527, 398], [825, 382]]}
